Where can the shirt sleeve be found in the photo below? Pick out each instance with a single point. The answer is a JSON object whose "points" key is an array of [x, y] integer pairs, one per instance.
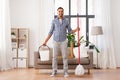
{"points": [[52, 28], [69, 28]]}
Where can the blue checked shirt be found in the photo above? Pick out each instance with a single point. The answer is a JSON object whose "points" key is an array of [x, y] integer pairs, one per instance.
{"points": [[59, 30]]}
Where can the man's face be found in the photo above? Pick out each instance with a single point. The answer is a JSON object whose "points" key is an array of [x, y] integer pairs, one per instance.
{"points": [[60, 12]]}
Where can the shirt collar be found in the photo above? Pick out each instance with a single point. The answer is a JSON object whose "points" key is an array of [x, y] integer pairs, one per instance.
{"points": [[58, 18]]}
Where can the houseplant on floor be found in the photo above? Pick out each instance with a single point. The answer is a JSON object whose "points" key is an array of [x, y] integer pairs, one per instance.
{"points": [[71, 43]]}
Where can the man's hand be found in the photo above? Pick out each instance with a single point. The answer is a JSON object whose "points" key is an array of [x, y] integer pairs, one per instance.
{"points": [[44, 44], [78, 29], [75, 30]]}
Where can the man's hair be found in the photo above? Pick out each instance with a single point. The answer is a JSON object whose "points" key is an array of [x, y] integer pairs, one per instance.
{"points": [[59, 8]]}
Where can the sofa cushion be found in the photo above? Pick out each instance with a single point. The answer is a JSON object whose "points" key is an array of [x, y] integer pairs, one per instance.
{"points": [[44, 62], [69, 52], [83, 51], [83, 60], [73, 61]]}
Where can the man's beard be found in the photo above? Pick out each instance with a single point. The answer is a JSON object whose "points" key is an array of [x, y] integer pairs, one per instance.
{"points": [[61, 15]]}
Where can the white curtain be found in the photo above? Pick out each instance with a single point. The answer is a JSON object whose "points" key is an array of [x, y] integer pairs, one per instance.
{"points": [[5, 36], [46, 17], [105, 42]]}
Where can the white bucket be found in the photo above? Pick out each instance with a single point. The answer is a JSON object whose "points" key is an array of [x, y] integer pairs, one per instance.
{"points": [[44, 52], [44, 55]]}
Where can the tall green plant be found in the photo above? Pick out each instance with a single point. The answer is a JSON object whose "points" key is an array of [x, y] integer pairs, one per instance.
{"points": [[71, 38]]}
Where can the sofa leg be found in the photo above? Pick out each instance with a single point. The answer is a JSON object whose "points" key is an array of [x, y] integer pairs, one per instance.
{"points": [[88, 71]]}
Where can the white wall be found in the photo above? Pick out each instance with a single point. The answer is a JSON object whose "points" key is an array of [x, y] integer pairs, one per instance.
{"points": [[28, 13], [115, 14]]}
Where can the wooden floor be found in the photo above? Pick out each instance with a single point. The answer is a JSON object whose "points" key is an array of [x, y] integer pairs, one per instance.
{"points": [[32, 74]]}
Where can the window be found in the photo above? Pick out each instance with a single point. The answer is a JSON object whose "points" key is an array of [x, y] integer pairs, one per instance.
{"points": [[85, 10]]}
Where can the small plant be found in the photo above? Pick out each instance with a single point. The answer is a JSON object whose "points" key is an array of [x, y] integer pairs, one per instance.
{"points": [[25, 35], [12, 33], [71, 38]]}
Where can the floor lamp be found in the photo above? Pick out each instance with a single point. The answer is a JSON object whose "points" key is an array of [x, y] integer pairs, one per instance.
{"points": [[95, 31]]}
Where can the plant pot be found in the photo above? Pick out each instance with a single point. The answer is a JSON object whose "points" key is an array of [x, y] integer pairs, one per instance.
{"points": [[13, 36]]}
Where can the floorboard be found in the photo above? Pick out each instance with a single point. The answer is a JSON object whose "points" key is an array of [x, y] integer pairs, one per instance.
{"points": [[32, 74]]}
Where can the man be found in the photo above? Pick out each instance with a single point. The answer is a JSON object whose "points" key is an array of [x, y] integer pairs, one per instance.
{"points": [[59, 29]]}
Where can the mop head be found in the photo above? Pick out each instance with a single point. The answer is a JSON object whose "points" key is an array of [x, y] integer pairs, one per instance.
{"points": [[79, 70]]}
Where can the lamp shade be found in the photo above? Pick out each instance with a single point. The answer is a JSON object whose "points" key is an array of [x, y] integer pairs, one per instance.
{"points": [[97, 30]]}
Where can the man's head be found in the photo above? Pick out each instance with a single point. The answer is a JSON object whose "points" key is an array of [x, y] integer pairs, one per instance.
{"points": [[60, 12]]}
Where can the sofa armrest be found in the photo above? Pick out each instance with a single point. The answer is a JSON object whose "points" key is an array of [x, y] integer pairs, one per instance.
{"points": [[36, 56], [90, 56]]}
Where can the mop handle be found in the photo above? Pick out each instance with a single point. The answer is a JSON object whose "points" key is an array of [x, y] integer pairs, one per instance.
{"points": [[78, 40]]}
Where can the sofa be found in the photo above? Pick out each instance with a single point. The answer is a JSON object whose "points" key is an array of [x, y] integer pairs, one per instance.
{"points": [[87, 62]]}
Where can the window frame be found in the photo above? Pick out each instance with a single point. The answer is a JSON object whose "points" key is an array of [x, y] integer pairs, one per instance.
{"points": [[86, 16]]}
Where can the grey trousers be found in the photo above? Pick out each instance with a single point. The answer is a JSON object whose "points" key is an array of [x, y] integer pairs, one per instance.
{"points": [[57, 48]]}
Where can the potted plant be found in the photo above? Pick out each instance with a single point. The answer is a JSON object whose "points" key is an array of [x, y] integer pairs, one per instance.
{"points": [[25, 36], [71, 43], [13, 35]]}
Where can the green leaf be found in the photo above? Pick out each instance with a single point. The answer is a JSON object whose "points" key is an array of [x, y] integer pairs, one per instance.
{"points": [[97, 49]]}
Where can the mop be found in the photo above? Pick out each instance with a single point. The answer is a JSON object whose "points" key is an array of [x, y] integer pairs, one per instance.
{"points": [[79, 69]]}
